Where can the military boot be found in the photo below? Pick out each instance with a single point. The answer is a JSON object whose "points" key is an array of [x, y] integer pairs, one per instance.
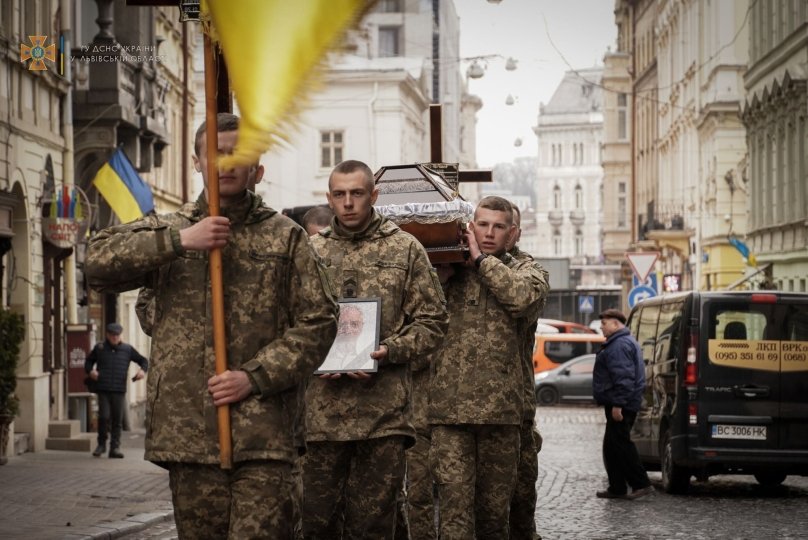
{"points": [[115, 453], [99, 450]]}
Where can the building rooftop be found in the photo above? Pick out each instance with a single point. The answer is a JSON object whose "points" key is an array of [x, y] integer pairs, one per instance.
{"points": [[578, 92]]}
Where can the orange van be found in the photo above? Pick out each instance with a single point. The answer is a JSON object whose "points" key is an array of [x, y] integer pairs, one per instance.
{"points": [[552, 350]]}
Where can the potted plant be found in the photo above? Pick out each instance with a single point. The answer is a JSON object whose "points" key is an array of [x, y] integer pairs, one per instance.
{"points": [[12, 332]]}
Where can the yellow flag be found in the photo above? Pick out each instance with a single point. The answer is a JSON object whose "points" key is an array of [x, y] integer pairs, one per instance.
{"points": [[271, 48]]}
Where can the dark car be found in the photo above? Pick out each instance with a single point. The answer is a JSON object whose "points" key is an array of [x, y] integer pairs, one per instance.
{"points": [[571, 381]]}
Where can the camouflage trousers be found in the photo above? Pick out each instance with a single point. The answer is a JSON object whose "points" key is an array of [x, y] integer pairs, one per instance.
{"points": [[420, 492], [350, 488], [255, 499], [523, 502], [474, 467]]}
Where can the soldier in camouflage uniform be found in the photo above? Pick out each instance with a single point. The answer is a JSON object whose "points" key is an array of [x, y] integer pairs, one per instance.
{"points": [[476, 389], [358, 424], [280, 318], [523, 501]]}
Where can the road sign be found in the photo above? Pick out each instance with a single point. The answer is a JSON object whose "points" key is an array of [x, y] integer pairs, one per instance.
{"points": [[651, 281], [642, 262], [586, 304], [638, 294]]}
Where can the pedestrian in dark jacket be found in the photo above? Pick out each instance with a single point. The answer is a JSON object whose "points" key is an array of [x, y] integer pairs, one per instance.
{"points": [[108, 365], [618, 383]]}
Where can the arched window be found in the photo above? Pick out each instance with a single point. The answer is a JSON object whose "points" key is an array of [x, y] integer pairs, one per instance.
{"points": [[579, 242], [556, 241], [579, 197], [557, 197]]}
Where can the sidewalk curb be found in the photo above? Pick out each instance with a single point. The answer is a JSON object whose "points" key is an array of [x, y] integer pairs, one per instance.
{"points": [[117, 529]]}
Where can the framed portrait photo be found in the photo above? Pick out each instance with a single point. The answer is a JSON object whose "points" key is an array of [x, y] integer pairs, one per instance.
{"points": [[357, 336]]}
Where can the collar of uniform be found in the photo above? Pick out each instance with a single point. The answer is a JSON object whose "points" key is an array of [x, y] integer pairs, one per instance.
{"points": [[373, 226], [249, 209]]}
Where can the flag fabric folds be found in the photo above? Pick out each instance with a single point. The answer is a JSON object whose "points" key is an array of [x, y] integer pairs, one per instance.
{"points": [[123, 188], [272, 48], [743, 249]]}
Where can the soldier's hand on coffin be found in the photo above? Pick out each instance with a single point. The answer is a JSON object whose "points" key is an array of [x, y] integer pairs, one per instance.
{"points": [[229, 387], [210, 233], [471, 241]]}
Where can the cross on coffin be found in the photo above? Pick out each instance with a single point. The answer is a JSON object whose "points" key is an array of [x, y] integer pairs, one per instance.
{"points": [[423, 199]]}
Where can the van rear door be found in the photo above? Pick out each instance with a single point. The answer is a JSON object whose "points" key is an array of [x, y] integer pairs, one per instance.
{"points": [[739, 378], [792, 312]]}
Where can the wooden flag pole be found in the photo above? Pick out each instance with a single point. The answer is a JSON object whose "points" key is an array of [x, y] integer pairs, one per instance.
{"points": [[216, 285]]}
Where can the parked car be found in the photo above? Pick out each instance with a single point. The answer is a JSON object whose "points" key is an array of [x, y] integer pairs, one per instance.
{"points": [[567, 327], [571, 381], [552, 350], [726, 385]]}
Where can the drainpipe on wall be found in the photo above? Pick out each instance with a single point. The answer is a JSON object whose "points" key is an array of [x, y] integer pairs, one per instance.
{"points": [[67, 162], [372, 124]]}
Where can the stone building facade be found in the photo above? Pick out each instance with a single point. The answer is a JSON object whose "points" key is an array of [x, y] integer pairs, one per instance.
{"points": [[775, 114]]}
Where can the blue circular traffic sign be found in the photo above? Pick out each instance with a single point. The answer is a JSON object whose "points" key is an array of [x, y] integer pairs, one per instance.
{"points": [[639, 293]]}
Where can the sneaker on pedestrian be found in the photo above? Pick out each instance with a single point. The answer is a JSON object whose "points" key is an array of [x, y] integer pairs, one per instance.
{"points": [[641, 492], [99, 450], [115, 453], [606, 494]]}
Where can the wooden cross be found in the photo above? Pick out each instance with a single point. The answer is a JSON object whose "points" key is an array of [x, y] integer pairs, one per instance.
{"points": [[450, 172]]}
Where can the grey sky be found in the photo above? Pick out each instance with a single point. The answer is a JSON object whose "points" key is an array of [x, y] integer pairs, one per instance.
{"points": [[580, 29]]}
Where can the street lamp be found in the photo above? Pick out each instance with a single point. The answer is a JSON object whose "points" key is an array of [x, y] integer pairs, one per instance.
{"points": [[475, 71]]}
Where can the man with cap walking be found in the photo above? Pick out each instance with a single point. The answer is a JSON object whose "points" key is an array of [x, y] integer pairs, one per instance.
{"points": [[108, 365], [618, 384]]}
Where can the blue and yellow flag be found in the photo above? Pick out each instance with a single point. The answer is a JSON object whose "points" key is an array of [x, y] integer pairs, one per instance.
{"points": [[123, 188]]}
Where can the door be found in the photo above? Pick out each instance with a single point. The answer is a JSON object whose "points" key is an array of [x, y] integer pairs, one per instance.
{"points": [[739, 375], [793, 373], [578, 384]]}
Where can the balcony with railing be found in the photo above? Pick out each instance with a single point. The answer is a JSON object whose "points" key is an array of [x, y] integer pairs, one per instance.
{"points": [[555, 217], [577, 217]]}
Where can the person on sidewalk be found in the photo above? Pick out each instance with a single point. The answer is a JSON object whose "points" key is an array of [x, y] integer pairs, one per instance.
{"points": [[280, 317], [108, 365], [359, 424], [476, 403], [618, 383], [523, 501]]}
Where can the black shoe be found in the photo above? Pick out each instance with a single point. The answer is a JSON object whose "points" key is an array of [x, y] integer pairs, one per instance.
{"points": [[606, 494], [115, 453], [642, 492], [99, 450]]}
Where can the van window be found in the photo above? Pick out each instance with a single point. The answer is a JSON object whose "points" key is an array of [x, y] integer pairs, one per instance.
{"points": [[561, 351], [743, 335], [670, 322], [646, 334], [796, 323], [739, 324]]}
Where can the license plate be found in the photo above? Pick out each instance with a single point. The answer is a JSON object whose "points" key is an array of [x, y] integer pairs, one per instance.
{"points": [[724, 431]]}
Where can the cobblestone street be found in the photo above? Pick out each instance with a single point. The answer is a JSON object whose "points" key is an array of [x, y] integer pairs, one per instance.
{"points": [[725, 507], [570, 471]]}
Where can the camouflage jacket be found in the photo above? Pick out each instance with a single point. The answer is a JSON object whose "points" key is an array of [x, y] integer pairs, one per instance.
{"points": [[477, 378], [385, 262], [528, 331], [280, 318]]}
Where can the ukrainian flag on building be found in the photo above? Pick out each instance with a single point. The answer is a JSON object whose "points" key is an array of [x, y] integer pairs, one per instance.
{"points": [[123, 188]]}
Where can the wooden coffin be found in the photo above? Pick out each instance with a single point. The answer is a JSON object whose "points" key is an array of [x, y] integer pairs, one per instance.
{"points": [[422, 199]]}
